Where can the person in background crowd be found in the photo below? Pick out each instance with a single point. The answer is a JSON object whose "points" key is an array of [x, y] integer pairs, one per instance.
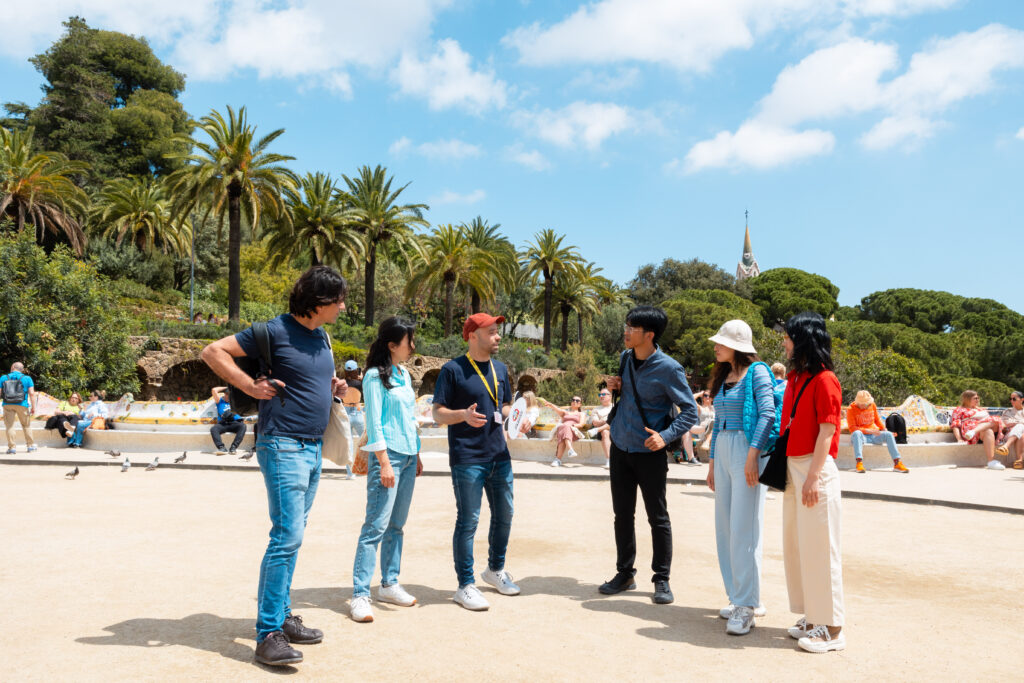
{"points": [[96, 409], [227, 421], [567, 430], [779, 373], [19, 403], [529, 420], [1013, 420], [353, 405], [866, 426], [704, 428], [602, 429], [68, 412], [971, 423]]}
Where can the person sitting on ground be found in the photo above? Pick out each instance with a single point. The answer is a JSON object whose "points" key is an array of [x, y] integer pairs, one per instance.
{"points": [[68, 412], [227, 421], [567, 430], [529, 420], [971, 423], [96, 409], [1013, 420], [602, 428], [866, 426], [702, 430]]}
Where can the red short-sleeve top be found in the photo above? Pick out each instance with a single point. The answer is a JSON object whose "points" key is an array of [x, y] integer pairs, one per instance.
{"points": [[822, 402]]}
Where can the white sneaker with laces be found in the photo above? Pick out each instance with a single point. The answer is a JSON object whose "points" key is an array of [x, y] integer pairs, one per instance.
{"points": [[740, 621], [820, 639], [799, 629], [469, 596], [726, 612], [359, 609], [396, 595], [593, 432], [556, 463], [571, 453], [501, 580], [995, 465], [968, 435]]}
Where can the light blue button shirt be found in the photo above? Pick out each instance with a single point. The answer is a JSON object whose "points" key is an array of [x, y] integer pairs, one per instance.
{"points": [[390, 413]]}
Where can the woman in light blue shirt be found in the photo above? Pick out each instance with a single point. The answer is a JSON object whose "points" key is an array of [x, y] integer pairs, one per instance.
{"points": [[393, 463]]}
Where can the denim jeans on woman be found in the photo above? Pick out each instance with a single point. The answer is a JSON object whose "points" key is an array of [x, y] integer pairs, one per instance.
{"points": [[470, 482], [291, 472], [386, 512], [739, 519]]}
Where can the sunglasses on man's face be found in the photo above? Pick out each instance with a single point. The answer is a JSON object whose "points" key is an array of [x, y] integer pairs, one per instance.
{"points": [[604, 393]]}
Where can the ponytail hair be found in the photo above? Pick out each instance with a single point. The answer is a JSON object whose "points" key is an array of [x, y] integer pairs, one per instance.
{"points": [[391, 331]]}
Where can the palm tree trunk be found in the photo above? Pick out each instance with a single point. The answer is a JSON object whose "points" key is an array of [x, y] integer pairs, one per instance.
{"points": [[20, 223], [579, 328], [565, 326], [371, 272], [449, 295], [234, 252], [475, 301], [547, 311]]}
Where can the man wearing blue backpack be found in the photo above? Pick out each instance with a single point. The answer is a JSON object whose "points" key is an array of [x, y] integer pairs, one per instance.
{"points": [[19, 400], [747, 418]]}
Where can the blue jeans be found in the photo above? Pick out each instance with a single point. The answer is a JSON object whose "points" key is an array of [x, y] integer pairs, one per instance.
{"points": [[76, 438], [356, 421], [859, 438], [291, 472], [739, 519], [469, 481], [386, 512]]}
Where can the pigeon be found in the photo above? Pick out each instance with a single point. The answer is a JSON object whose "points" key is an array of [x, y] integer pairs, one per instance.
{"points": [[153, 465], [248, 455], [181, 458], [113, 454], [125, 465], [72, 474]]}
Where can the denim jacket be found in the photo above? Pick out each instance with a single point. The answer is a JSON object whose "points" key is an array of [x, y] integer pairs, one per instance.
{"points": [[662, 385]]}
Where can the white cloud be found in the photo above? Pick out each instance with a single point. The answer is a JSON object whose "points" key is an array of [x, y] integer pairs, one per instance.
{"points": [[400, 146], [447, 79], [606, 81], [449, 197], [586, 124], [894, 130], [439, 150], [758, 146], [880, 8], [1020, 134], [531, 158]]}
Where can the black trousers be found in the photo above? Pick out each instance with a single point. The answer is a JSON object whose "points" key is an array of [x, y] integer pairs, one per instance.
{"points": [[237, 427], [57, 422], [648, 471]]}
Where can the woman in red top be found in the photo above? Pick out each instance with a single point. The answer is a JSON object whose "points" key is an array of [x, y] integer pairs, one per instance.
{"points": [[811, 504]]}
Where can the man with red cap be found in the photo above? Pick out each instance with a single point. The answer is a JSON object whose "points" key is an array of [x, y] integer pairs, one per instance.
{"points": [[472, 396]]}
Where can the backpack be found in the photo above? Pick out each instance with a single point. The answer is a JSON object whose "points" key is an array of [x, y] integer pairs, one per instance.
{"points": [[241, 402], [13, 390], [898, 426], [750, 411]]}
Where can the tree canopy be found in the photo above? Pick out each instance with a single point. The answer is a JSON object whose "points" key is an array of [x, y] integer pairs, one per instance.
{"points": [[654, 285], [784, 292]]}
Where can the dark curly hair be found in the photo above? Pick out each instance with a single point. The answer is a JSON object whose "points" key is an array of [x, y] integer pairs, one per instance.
{"points": [[318, 286]]}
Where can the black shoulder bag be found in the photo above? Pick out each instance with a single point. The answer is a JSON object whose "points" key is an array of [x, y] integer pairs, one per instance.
{"points": [[241, 402], [617, 393], [774, 474], [672, 446]]}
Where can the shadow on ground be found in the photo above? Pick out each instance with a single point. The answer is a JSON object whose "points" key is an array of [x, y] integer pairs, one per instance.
{"points": [[336, 598]]}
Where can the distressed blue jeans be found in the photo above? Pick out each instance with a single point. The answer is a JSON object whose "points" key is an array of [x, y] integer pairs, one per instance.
{"points": [[470, 482], [291, 472]]}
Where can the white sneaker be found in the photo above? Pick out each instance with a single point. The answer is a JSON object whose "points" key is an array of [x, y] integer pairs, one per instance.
{"points": [[593, 432], [359, 609], [995, 465], [469, 596], [799, 629], [821, 640], [556, 463], [968, 435], [726, 612], [740, 621], [350, 475], [396, 595], [571, 453], [607, 464], [501, 580]]}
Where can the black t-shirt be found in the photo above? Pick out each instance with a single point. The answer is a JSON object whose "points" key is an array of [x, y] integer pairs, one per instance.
{"points": [[356, 384], [458, 387]]}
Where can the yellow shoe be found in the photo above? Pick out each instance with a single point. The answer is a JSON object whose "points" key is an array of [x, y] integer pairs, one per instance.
{"points": [[898, 466], [1003, 450], [860, 467]]}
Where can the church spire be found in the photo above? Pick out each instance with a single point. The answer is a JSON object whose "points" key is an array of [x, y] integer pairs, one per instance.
{"points": [[747, 267]]}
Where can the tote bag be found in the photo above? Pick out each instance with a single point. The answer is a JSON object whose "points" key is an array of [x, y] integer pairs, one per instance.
{"points": [[337, 442]]}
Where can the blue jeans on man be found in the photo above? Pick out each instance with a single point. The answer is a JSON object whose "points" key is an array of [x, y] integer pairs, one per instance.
{"points": [[470, 482], [888, 439], [79, 434], [291, 472], [386, 512]]}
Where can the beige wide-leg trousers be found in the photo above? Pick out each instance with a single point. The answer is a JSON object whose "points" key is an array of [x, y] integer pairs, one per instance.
{"points": [[810, 544]]}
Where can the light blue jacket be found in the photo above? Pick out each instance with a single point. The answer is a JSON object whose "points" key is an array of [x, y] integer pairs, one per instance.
{"points": [[390, 413]]}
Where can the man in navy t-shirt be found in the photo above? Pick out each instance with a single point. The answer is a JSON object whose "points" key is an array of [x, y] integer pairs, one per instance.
{"points": [[472, 396], [295, 404]]}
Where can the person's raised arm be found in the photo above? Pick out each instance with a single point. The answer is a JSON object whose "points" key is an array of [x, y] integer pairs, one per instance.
{"points": [[220, 356], [558, 411], [444, 415]]}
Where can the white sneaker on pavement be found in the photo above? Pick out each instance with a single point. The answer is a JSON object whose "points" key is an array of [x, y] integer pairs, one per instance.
{"points": [[995, 465], [469, 596], [556, 463], [819, 639], [740, 621], [501, 580], [396, 595], [359, 609], [799, 629], [607, 464], [726, 612]]}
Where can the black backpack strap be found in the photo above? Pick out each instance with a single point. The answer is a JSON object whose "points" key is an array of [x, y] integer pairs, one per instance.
{"points": [[636, 399], [261, 333], [792, 413]]}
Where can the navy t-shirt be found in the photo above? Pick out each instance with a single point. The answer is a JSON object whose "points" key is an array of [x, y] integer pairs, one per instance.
{"points": [[302, 360], [458, 387]]}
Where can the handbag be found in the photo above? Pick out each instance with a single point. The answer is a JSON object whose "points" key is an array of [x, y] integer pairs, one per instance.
{"points": [[671, 446], [337, 439], [361, 465], [775, 470]]}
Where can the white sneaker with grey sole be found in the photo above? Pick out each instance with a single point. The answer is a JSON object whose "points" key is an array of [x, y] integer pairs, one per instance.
{"points": [[469, 596], [359, 609], [995, 465], [799, 629], [396, 595], [820, 639], [726, 612], [740, 621], [501, 580]]}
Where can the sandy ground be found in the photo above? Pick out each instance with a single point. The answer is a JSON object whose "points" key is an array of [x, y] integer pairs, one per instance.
{"points": [[152, 576]]}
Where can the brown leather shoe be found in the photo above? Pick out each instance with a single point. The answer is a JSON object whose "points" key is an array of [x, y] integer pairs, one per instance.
{"points": [[275, 650], [297, 633]]}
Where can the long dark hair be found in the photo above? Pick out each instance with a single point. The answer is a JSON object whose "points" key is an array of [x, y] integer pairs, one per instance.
{"points": [[391, 331], [812, 345], [742, 360]]}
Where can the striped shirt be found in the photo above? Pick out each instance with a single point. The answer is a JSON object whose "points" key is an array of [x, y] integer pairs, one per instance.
{"points": [[729, 407], [390, 413]]}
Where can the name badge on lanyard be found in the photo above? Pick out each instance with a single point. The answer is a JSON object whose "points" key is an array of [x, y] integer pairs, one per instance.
{"points": [[498, 418]]}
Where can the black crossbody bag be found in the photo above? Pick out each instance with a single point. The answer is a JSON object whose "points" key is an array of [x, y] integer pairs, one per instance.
{"points": [[774, 474], [616, 394], [671, 446]]}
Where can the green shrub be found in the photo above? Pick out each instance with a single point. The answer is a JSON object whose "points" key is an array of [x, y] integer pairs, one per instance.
{"points": [[344, 352], [889, 376], [949, 387], [448, 347], [581, 378]]}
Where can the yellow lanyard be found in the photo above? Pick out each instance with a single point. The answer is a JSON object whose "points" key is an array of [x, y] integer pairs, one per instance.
{"points": [[494, 375]]}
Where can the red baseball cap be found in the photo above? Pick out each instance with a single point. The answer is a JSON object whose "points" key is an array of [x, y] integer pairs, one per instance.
{"points": [[478, 320]]}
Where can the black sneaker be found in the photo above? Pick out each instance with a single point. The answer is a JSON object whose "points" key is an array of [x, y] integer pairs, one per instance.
{"points": [[231, 451], [662, 593], [275, 650], [619, 583], [299, 634]]}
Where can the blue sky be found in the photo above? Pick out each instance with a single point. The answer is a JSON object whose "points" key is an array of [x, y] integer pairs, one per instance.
{"points": [[877, 142]]}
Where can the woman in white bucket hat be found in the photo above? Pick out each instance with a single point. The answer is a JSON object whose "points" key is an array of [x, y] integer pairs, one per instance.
{"points": [[736, 445]]}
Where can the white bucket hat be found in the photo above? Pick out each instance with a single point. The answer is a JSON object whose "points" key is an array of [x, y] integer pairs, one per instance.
{"points": [[737, 335]]}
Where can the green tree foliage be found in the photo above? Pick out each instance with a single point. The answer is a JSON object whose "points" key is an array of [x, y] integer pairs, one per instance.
{"points": [[504, 261], [546, 257], [1003, 360], [139, 208], [784, 292], [314, 230], [581, 378], [889, 376], [939, 353], [261, 284], [108, 101], [61, 322], [949, 387], [934, 312], [656, 284]]}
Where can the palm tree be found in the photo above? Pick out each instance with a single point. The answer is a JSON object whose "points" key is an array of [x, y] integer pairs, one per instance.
{"points": [[377, 215], [546, 256], [450, 260], [140, 208], [317, 227], [487, 239], [238, 177], [39, 188], [574, 290]]}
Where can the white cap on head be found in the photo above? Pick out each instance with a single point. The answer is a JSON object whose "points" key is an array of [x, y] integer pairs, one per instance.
{"points": [[737, 335]]}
